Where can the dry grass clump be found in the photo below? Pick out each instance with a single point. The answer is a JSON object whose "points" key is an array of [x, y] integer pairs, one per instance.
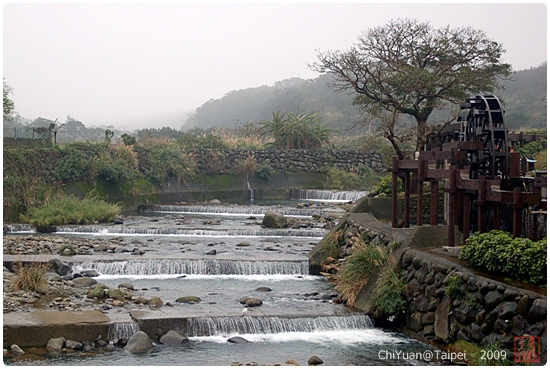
{"points": [[366, 260], [31, 278]]}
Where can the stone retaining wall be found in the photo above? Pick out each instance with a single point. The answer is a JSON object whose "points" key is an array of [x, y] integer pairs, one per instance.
{"points": [[447, 303], [214, 161]]}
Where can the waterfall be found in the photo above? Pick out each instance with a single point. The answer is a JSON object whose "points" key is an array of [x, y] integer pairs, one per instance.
{"points": [[118, 230], [250, 189], [19, 228], [212, 326], [198, 266], [327, 195], [122, 330], [238, 211]]}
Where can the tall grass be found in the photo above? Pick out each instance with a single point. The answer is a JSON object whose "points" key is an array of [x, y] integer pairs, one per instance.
{"points": [[30, 278], [68, 209], [366, 260]]}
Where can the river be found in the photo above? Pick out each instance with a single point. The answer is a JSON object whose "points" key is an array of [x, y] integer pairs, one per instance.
{"points": [[297, 318]]}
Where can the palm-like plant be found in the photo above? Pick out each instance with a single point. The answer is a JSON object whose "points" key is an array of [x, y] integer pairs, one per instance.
{"points": [[295, 131]]}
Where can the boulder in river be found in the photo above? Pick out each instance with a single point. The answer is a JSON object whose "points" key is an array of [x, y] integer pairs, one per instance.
{"points": [[237, 339], [155, 303], [314, 360], [84, 282], [55, 344], [173, 338], [263, 289], [139, 343], [98, 292], [273, 219], [189, 299], [251, 301]]}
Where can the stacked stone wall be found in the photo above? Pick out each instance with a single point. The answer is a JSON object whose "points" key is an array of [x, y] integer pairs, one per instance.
{"points": [[447, 303], [213, 161]]}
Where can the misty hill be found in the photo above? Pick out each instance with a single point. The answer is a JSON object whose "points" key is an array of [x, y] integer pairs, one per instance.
{"points": [[524, 98]]}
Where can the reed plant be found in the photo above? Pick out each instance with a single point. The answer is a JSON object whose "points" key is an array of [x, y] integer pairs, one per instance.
{"points": [[367, 259], [68, 209], [30, 278]]}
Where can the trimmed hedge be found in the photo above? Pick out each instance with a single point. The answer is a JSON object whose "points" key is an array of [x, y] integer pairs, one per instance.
{"points": [[497, 251]]}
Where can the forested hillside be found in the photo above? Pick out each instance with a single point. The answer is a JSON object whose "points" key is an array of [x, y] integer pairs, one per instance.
{"points": [[524, 98]]}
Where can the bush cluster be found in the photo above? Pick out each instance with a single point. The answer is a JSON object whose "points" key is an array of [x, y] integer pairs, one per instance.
{"points": [[518, 258]]}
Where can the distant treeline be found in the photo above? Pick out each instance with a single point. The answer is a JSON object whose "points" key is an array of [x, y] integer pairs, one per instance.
{"points": [[524, 98]]}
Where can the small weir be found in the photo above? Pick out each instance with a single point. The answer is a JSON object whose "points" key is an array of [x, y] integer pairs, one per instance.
{"points": [[117, 230], [327, 195], [122, 330], [200, 266], [235, 211], [214, 326], [19, 228]]}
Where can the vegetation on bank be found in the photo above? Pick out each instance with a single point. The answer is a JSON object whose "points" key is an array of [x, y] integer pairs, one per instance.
{"points": [[68, 209], [498, 252]]}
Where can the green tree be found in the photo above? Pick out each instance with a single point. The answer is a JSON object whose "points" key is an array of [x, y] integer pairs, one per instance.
{"points": [[410, 67], [9, 105]]}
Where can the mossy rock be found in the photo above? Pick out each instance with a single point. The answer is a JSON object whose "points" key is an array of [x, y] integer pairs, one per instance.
{"points": [[189, 299], [97, 292]]}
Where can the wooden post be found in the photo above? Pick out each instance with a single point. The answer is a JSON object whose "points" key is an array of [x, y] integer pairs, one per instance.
{"points": [[407, 184], [517, 212], [482, 206], [394, 178], [452, 205], [422, 165], [434, 203], [466, 218]]}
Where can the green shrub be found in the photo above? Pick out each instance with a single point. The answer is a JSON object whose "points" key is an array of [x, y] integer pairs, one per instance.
{"points": [[73, 166], [389, 298], [160, 162], [497, 251], [331, 245], [67, 209], [264, 171], [117, 165], [341, 180], [385, 186], [454, 286]]}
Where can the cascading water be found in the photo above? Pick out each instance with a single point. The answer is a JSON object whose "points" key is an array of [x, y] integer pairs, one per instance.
{"points": [[250, 189], [142, 231], [327, 195], [200, 266], [122, 330], [213, 326], [235, 211]]}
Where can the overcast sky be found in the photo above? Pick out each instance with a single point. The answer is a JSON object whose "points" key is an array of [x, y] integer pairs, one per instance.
{"points": [[146, 65]]}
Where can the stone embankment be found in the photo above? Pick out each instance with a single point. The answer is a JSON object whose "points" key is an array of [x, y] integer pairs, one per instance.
{"points": [[213, 161], [448, 302]]}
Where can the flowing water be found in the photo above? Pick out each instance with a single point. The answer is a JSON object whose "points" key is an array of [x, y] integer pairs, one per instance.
{"points": [[296, 320]]}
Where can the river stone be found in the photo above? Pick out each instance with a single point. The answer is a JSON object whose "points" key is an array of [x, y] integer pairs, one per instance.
{"points": [[155, 303], [250, 301], [141, 300], [475, 332], [237, 339], [16, 350], [98, 292], [274, 219], [507, 310], [212, 252], [523, 305], [263, 289], [59, 267], [244, 243], [126, 285], [117, 294], [537, 311], [90, 273], [75, 345], [314, 360], [291, 362], [173, 338], [414, 322], [189, 299], [441, 324], [55, 344], [139, 343], [84, 282], [492, 299]]}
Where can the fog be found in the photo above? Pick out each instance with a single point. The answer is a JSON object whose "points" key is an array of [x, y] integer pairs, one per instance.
{"points": [[149, 65]]}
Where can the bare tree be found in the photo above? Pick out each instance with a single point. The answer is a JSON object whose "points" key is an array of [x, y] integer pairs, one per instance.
{"points": [[408, 67]]}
